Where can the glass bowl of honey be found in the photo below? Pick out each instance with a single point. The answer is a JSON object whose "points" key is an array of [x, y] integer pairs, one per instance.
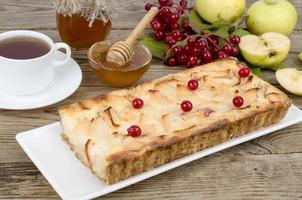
{"points": [[114, 74]]}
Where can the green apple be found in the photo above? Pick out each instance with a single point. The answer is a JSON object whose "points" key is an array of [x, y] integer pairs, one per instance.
{"points": [[271, 16], [300, 56], [290, 79], [266, 51], [214, 10]]}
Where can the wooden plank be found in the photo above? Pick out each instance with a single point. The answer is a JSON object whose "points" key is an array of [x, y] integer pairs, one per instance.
{"points": [[23, 180], [214, 177], [32, 14]]}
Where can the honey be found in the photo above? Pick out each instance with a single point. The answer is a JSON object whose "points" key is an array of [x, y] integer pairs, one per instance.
{"points": [[113, 74], [81, 23], [78, 32]]}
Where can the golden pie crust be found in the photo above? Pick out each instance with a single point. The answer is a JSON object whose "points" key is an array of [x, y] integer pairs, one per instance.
{"points": [[96, 129]]}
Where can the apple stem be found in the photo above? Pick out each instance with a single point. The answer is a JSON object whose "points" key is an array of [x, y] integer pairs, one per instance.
{"points": [[270, 1]]}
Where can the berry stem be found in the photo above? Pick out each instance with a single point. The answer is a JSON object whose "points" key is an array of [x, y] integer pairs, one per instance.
{"points": [[205, 39], [211, 41], [220, 37]]}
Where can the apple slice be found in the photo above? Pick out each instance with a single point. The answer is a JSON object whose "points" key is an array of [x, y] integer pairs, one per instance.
{"points": [[290, 79], [266, 51]]}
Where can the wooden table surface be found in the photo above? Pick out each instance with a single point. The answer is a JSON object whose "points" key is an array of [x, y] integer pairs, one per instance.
{"points": [[266, 168]]}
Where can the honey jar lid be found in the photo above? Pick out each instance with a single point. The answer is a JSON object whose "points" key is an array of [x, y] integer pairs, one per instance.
{"points": [[90, 9]]}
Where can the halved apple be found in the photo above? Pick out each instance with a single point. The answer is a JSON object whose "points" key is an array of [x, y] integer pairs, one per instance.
{"points": [[266, 51], [290, 79]]}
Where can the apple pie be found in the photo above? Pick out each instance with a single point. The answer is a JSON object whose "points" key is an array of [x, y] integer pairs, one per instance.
{"points": [[130, 131]]}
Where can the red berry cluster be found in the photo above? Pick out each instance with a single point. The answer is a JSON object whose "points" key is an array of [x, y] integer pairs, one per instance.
{"points": [[171, 25], [203, 49], [166, 24]]}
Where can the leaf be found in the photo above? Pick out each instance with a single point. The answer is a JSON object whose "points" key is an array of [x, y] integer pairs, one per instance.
{"points": [[237, 21], [217, 24], [240, 32], [157, 48], [181, 19], [196, 22], [257, 71], [181, 43], [222, 31]]}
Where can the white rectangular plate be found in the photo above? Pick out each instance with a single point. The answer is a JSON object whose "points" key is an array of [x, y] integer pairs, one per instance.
{"points": [[72, 180]]}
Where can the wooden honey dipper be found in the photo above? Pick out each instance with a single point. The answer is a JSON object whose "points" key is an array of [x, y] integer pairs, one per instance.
{"points": [[121, 52]]}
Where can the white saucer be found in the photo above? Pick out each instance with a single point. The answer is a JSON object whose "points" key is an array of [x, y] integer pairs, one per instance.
{"points": [[67, 79]]}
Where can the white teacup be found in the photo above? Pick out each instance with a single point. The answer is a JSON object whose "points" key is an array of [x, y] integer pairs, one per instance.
{"points": [[28, 76]]}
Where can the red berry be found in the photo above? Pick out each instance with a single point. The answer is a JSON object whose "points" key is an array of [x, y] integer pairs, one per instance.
{"points": [[162, 2], [174, 17], [168, 37], [215, 51], [207, 56], [155, 24], [192, 61], [165, 13], [235, 39], [192, 84], [201, 44], [192, 58], [187, 50], [134, 131], [238, 101], [148, 6], [234, 51], [171, 61], [174, 26], [185, 25], [137, 103], [169, 40], [222, 55], [227, 48], [169, 3], [215, 40], [190, 64], [176, 34], [183, 3], [165, 21], [177, 50], [196, 51], [186, 106], [159, 35], [244, 72], [181, 59], [191, 42]]}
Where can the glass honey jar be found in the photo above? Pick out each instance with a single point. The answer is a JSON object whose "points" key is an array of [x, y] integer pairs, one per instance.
{"points": [[81, 23]]}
